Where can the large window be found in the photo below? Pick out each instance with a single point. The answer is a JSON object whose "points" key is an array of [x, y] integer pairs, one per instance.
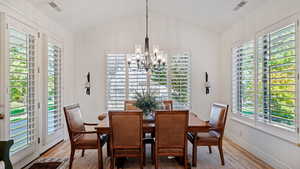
{"points": [[171, 83], [265, 81]]}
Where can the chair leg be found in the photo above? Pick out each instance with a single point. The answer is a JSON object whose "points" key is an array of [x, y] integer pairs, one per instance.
{"points": [[194, 161], [156, 162], [185, 161], [100, 162], [142, 160], [82, 153], [221, 153], [112, 161], [209, 148], [71, 157]]}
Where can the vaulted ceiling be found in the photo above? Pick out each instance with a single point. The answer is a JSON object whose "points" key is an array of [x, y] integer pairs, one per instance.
{"points": [[215, 15]]}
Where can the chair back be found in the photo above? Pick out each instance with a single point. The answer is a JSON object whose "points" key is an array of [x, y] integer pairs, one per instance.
{"points": [[127, 129], [218, 117], [74, 120], [170, 129], [129, 105], [168, 105]]}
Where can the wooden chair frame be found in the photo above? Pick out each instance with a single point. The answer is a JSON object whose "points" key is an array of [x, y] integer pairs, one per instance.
{"points": [[192, 137], [184, 154], [126, 149], [73, 133]]}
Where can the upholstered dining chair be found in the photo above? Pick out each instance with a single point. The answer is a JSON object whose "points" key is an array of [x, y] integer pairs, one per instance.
{"points": [[214, 136], [168, 105], [127, 135], [79, 137], [170, 135]]}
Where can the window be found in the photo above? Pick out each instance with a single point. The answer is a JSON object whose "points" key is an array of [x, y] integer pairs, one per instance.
{"points": [[54, 88], [21, 89], [244, 79], [115, 81], [265, 84], [123, 82]]}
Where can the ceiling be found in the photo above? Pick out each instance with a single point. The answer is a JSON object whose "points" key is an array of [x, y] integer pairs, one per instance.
{"points": [[215, 15]]}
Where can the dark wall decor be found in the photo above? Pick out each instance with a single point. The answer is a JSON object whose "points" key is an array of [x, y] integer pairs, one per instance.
{"points": [[207, 85], [88, 84]]}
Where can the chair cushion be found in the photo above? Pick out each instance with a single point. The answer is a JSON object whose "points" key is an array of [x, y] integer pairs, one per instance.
{"points": [[211, 137], [90, 140]]}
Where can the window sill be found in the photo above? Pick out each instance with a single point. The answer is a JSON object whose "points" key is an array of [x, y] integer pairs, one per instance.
{"points": [[286, 135]]}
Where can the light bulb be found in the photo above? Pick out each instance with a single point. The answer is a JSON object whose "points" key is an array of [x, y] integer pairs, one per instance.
{"points": [[155, 49]]}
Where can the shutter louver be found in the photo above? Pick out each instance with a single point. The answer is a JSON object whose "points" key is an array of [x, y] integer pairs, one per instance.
{"points": [[116, 81], [54, 89], [21, 89], [277, 77], [244, 79], [180, 81]]}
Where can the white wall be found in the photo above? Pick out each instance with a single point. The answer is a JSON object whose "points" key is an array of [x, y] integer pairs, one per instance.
{"points": [[123, 33], [26, 13], [275, 151]]}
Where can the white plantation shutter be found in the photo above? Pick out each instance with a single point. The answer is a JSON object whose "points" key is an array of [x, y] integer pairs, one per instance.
{"points": [[21, 89], [277, 77], [137, 80], [170, 83], [115, 81], [243, 79], [159, 83], [54, 88], [179, 85]]}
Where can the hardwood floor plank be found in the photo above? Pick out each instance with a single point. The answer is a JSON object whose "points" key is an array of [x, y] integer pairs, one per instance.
{"points": [[235, 158]]}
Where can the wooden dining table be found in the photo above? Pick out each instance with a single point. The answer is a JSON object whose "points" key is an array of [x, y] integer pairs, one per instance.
{"points": [[195, 125]]}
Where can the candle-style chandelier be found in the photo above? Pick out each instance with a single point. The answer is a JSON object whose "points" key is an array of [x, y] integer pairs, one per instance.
{"points": [[148, 60]]}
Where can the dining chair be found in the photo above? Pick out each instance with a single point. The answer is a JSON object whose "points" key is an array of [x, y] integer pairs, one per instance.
{"points": [[127, 135], [170, 135], [79, 137], [129, 105], [168, 104], [214, 136], [4, 154]]}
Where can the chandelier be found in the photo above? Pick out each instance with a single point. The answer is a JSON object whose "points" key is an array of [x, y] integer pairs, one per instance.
{"points": [[144, 58]]}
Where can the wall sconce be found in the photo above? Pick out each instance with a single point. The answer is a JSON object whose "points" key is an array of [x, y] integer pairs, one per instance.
{"points": [[207, 84], [87, 85]]}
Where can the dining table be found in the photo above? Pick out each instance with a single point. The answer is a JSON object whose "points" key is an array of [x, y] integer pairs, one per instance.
{"points": [[195, 125]]}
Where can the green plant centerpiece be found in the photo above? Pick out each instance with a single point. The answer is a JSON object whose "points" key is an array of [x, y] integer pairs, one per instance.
{"points": [[146, 101]]}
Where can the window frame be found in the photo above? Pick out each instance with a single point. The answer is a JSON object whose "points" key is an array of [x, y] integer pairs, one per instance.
{"points": [[274, 130]]}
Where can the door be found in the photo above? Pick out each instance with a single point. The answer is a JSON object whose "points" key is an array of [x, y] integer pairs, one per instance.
{"points": [[21, 87], [53, 125]]}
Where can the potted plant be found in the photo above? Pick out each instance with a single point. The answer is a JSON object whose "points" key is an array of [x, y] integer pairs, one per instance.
{"points": [[146, 101]]}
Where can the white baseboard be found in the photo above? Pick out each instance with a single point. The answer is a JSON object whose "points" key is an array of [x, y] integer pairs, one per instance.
{"points": [[267, 158]]}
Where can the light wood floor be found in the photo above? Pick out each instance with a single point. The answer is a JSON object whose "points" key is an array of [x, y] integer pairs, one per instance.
{"points": [[235, 158]]}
